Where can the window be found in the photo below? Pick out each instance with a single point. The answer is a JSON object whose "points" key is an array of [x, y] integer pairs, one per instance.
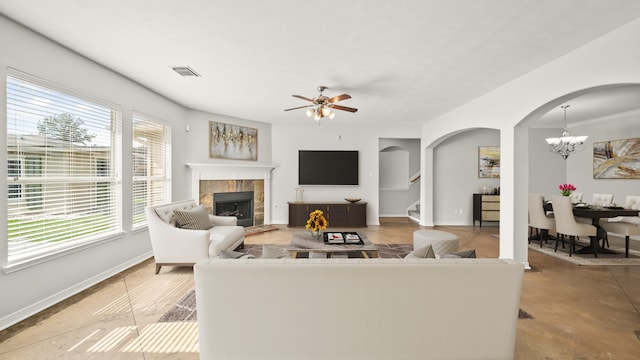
{"points": [[151, 165], [62, 158], [14, 171]]}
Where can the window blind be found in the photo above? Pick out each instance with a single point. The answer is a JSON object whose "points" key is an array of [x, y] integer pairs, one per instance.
{"points": [[62, 159], [151, 165]]}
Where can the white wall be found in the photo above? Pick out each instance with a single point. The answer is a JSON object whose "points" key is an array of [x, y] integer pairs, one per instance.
{"points": [[456, 175], [196, 148], [398, 164], [394, 169], [580, 164], [546, 169], [31, 289], [336, 134]]}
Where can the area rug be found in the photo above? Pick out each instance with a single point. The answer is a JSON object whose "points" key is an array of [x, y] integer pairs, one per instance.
{"points": [[258, 229], [185, 309], [616, 259]]}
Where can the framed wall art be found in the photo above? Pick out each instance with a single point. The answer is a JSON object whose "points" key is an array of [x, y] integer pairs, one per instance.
{"points": [[616, 159], [488, 161], [227, 141]]}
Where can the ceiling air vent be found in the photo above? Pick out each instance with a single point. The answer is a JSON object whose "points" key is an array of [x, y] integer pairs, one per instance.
{"points": [[185, 71]]}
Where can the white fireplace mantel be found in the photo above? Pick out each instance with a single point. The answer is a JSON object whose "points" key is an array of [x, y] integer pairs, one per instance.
{"points": [[229, 172], [233, 172]]}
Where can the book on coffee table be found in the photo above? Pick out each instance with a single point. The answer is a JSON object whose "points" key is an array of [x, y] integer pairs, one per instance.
{"points": [[351, 238], [335, 238]]}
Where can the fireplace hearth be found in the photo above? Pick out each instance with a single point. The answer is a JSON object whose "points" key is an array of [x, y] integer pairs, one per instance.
{"points": [[238, 204]]}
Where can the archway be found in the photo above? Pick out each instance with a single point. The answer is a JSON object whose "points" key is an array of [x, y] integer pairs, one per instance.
{"points": [[593, 112]]}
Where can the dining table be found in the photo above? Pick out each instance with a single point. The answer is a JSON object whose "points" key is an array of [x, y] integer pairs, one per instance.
{"points": [[595, 213]]}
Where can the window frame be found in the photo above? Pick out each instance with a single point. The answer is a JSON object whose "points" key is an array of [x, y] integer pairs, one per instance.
{"points": [[165, 178], [40, 179]]}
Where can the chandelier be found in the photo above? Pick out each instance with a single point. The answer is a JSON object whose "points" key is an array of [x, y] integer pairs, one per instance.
{"points": [[566, 144]]}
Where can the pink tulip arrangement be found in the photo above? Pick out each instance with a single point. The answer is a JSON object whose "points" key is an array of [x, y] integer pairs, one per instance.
{"points": [[566, 189]]}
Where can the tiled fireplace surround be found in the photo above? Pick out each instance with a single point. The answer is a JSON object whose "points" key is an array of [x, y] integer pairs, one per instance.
{"points": [[207, 179]]}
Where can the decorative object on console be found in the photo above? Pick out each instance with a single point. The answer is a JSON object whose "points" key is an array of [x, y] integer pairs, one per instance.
{"points": [[566, 189], [616, 159], [352, 200], [323, 105], [566, 144], [228, 141], [316, 223], [488, 161], [299, 195]]}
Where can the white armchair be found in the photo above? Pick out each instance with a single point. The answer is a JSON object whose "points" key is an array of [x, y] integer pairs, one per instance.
{"points": [[175, 246], [625, 225]]}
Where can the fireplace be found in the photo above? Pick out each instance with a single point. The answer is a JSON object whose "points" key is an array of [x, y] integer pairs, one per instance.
{"points": [[238, 204], [209, 179]]}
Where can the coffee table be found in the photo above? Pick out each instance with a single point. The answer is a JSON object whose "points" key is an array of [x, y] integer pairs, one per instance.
{"points": [[303, 242]]}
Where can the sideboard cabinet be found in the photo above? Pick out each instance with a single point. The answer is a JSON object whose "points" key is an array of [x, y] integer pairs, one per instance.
{"points": [[337, 214], [486, 208]]}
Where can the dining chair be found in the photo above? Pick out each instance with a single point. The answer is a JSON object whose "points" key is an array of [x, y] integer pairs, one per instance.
{"points": [[566, 224], [602, 200], [576, 197], [625, 225], [538, 220]]}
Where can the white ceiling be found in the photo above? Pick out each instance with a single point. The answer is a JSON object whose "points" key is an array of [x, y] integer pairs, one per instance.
{"points": [[404, 62]]}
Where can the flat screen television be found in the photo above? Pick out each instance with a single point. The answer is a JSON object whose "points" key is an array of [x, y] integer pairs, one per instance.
{"points": [[327, 167]]}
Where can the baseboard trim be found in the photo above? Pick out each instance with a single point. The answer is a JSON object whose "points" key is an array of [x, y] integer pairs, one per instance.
{"points": [[43, 304]]}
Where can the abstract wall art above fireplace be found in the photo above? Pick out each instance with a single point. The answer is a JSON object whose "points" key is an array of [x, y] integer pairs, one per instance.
{"points": [[616, 159], [227, 141]]}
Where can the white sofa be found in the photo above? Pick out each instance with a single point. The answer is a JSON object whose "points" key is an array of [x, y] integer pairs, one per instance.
{"points": [[173, 246], [357, 308]]}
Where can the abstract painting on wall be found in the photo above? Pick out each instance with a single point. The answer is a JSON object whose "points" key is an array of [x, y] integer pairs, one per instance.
{"points": [[616, 159], [489, 161], [228, 141]]}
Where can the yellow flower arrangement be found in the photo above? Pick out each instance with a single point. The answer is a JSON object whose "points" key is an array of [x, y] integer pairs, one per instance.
{"points": [[316, 221]]}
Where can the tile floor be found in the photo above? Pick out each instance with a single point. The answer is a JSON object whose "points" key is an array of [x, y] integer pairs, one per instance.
{"points": [[579, 312]]}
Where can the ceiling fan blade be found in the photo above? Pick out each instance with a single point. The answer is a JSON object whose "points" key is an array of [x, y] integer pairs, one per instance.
{"points": [[299, 107], [344, 108], [339, 98], [302, 97]]}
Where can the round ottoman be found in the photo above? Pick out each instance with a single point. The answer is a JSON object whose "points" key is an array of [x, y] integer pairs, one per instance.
{"points": [[441, 242]]}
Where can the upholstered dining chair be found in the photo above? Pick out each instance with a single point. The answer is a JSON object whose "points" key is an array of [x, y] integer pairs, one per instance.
{"points": [[576, 197], [538, 220], [602, 200], [566, 224], [625, 225]]}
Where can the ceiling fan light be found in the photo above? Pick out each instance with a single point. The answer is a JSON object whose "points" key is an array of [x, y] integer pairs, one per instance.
{"points": [[317, 116], [332, 115], [325, 111], [310, 112]]}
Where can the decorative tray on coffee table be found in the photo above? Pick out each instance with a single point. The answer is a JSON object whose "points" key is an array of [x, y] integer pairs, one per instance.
{"points": [[342, 237]]}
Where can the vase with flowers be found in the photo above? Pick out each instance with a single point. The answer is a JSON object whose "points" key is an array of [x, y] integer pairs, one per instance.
{"points": [[566, 189], [316, 223]]}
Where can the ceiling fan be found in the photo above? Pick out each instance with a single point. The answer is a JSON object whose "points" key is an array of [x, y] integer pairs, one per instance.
{"points": [[322, 105]]}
